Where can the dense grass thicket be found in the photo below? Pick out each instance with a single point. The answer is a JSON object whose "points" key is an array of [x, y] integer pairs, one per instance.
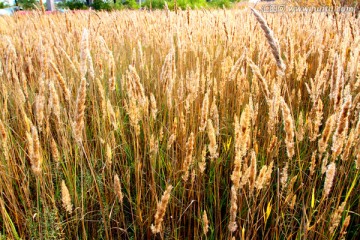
{"points": [[217, 124]]}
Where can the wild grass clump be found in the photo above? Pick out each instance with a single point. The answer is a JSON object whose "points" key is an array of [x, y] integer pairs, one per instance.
{"points": [[180, 125]]}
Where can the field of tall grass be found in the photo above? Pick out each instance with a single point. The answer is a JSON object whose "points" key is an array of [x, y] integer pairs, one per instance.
{"points": [[221, 124]]}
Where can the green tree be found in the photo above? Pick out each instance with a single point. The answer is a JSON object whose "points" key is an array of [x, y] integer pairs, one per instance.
{"points": [[27, 4], [3, 5], [101, 5], [72, 5]]}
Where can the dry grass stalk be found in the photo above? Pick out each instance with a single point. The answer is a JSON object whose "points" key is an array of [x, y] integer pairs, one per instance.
{"points": [[204, 112], [66, 198], [54, 103], [214, 114], [189, 156], [20, 96], [138, 104], [274, 105], [117, 188], [233, 210], [154, 145], [337, 90], [317, 120], [90, 64], [290, 187], [160, 211], [205, 223], [112, 78], [3, 139], [134, 85], [254, 113], [1, 69], [213, 147], [284, 176], [110, 60], [329, 127], [34, 150], [78, 123], [273, 146], [101, 91], [252, 170], [84, 53], [324, 163], [345, 226], [313, 163], [134, 113], [336, 217], [341, 128], [348, 146], [264, 176], [153, 106], [173, 135], [300, 129], [273, 42], [54, 151], [171, 141], [3, 133], [167, 76], [68, 58], [108, 155], [23, 83], [193, 177], [235, 68], [202, 163], [62, 83], [329, 179], [242, 134], [258, 74], [245, 174], [111, 115], [357, 129], [292, 203], [289, 128], [40, 104], [167, 69], [183, 121], [27, 122]]}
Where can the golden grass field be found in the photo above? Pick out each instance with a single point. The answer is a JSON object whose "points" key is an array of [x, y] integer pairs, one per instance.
{"points": [[205, 124]]}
